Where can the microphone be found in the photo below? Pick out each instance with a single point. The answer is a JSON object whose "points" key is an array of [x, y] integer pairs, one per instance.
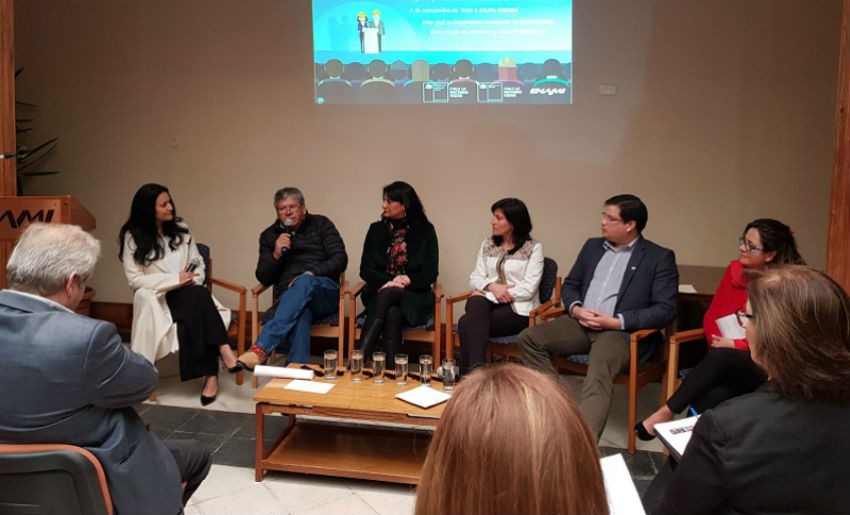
{"points": [[193, 265], [287, 228]]}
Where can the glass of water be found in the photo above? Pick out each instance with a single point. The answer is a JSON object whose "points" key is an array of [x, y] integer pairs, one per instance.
{"points": [[331, 362], [426, 368], [450, 372], [401, 367], [379, 363], [357, 365]]}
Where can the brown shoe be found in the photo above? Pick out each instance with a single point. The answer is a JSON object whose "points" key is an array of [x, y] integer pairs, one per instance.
{"points": [[251, 359]]}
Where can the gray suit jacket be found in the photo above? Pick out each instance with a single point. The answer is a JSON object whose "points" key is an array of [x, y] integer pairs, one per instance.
{"points": [[68, 379]]}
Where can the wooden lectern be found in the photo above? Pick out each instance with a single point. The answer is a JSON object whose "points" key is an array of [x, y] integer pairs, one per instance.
{"points": [[18, 212]]}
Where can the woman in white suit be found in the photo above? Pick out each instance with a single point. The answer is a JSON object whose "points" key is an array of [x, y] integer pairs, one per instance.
{"points": [[506, 281], [172, 310]]}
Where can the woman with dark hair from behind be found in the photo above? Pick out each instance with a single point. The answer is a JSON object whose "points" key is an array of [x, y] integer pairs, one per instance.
{"points": [[171, 307], [400, 262], [511, 441], [728, 371], [506, 282], [783, 448]]}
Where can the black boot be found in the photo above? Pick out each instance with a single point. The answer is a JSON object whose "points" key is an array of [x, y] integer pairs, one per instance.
{"points": [[370, 336]]}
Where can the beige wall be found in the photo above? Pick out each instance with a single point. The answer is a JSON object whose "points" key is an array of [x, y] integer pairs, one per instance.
{"points": [[724, 113]]}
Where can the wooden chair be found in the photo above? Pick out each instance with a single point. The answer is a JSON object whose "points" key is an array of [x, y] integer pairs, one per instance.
{"points": [[431, 332], [673, 377], [238, 320], [330, 326], [549, 291], [52, 478], [639, 374]]}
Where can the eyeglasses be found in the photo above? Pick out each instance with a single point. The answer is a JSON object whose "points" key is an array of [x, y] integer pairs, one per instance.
{"points": [[743, 242], [743, 318], [289, 208], [608, 218]]}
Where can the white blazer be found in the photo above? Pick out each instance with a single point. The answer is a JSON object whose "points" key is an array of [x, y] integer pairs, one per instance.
{"points": [[154, 334], [523, 269]]}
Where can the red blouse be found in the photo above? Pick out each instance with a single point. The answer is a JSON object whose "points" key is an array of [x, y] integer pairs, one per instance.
{"points": [[730, 296]]}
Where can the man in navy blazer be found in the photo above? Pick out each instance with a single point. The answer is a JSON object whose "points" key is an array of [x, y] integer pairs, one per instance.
{"points": [[69, 379], [619, 284]]}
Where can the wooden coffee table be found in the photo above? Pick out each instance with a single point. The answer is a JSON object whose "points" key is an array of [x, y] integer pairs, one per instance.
{"points": [[364, 452]]}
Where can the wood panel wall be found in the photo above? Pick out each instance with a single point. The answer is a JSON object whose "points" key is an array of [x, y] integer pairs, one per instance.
{"points": [[838, 236]]}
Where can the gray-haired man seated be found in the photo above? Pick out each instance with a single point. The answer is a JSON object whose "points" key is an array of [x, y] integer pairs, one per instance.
{"points": [[68, 379]]}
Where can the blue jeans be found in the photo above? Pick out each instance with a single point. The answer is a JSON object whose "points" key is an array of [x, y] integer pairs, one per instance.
{"points": [[308, 298]]}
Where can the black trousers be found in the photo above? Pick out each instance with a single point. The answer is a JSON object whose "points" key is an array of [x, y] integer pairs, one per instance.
{"points": [[721, 375], [386, 310], [482, 320], [193, 460], [200, 331]]}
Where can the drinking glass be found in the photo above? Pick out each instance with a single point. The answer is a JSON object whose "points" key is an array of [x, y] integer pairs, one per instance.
{"points": [[331, 362], [401, 365], [379, 362], [357, 366], [450, 371], [426, 368]]}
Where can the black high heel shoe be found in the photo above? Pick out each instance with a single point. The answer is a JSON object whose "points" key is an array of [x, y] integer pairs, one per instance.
{"points": [[206, 400], [235, 369], [642, 433]]}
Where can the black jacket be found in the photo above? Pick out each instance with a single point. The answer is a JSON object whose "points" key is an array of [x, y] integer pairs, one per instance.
{"points": [[417, 301], [317, 247], [764, 453]]}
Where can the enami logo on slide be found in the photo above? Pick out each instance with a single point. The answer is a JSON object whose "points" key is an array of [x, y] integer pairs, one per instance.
{"points": [[24, 217], [548, 91]]}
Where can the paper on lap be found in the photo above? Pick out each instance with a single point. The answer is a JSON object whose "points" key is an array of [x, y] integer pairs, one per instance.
{"points": [[730, 328]]}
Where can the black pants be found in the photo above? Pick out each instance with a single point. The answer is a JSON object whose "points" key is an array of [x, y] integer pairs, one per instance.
{"points": [[200, 331], [193, 460], [721, 375], [482, 320], [385, 310]]}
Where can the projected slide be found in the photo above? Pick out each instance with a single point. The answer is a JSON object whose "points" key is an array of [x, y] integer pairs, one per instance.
{"points": [[443, 51]]}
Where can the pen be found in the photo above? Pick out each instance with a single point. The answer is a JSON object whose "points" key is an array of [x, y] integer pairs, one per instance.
{"points": [[692, 411]]}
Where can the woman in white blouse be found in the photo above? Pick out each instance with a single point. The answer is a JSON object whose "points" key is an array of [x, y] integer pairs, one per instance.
{"points": [[171, 307], [506, 281]]}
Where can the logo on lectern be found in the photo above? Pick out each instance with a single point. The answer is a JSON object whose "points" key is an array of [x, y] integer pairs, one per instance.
{"points": [[19, 219]]}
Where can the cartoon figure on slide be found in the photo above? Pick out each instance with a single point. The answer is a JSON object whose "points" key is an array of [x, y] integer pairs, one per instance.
{"points": [[378, 24], [362, 23]]}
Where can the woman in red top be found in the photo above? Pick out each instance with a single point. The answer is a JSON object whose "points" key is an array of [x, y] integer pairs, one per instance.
{"points": [[728, 371]]}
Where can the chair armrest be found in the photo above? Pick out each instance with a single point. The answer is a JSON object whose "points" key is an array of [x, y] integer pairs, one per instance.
{"points": [[674, 343], [543, 308], [451, 299], [439, 292], [639, 335], [552, 313], [450, 314], [229, 286], [357, 289], [634, 342], [687, 336], [258, 289]]}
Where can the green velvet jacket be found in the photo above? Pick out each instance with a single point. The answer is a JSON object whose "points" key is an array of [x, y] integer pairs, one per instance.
{"points": [[417, 303]]}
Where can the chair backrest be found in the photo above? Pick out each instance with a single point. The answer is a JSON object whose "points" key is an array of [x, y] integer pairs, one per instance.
{"points": [[204, 251], [549, 278], [52, 478]]}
